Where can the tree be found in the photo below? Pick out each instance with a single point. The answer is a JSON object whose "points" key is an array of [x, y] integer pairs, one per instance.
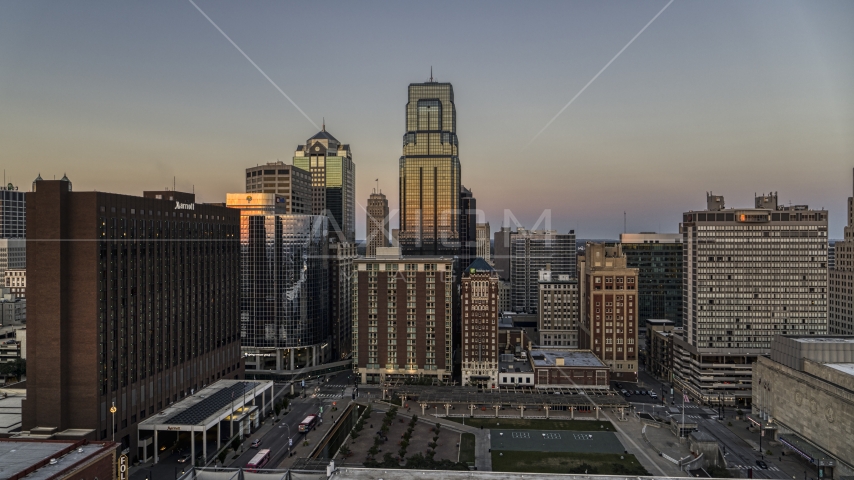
{"points": [[235, 443], [222, 456], [345, 450]]}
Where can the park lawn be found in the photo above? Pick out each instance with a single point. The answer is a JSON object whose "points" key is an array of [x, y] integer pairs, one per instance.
{"points": [[562, 462], [467, 448], [537, 424]]}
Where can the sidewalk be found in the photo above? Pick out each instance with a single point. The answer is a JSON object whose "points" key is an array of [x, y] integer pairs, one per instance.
{"points": [[482, 443], [630, 434]]}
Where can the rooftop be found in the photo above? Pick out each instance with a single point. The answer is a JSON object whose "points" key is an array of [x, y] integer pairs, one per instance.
{"points": [[18, 456], [847, 339], [208, 403], [846, 368], [571, 358], [479, 265], [511, 367]]}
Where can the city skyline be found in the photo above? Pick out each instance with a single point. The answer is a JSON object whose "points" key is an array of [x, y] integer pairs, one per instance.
{"points": [[125, 97]]}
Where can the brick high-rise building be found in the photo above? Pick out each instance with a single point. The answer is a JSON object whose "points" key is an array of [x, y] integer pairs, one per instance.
{"points": [[479, 304], [403, 318], [558, 310], [376, 224], [840, 310], [609, 322], [133, 303]]}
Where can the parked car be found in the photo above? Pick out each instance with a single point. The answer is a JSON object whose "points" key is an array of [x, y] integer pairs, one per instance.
{"points": [[762, 465], [627, 394], [184, 459], [637, 392], [256, 443], [623, 391], [643, 392], [618, 385], [652, 395]]}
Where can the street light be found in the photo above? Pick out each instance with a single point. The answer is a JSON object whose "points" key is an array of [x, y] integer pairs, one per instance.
{"points": [[113, 426]]}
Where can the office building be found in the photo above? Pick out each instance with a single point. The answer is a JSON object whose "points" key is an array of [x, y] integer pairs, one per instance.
{"points": [[484, 242], [501, 258], [658, 354], [802, 400], [333, 182], [13, 254], [341, 256], [430, 173], [831, 253], [403, 321], [257, 204], [749, 274], [532, 251], [13, 212], [505, 299], [840, 310], [376, 224], [15, 283], [658, 258], [284, 299], [13, 311], [278, 178], [479, 303], [609, 322], [468, 227], [136, 307], [558, 310]]}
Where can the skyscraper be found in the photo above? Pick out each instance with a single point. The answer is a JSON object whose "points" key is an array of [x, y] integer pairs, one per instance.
{"points": [[468, 227], [535, 250], [483, 238], [502, 253], [609, 322], [841, 282], [291, 183], [13, 212], [341, 257], [333, 182], [749, 274], [558, 310], [376, 223], [658, 258], [479, 291], [136, 307], [430, 172]]}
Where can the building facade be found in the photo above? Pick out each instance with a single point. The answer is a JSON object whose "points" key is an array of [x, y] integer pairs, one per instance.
{"points": [[284, 293], [13, 254], [13, 311], [136, 307], [403, 315], [484, 242], [569, 368], [376, 224], [802, 399], [13, 212], [535, 250], [840, 311], [15, 282], [501, 259], [609, 322], [558, 310], [279, 178], [505, 296], [430, 173], [479, 303], [658, 258], [341, 256], [658, 354], [333, 182], [468, 227], [750, 274]]}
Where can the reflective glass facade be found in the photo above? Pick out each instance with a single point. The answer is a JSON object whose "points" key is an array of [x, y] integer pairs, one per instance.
{"points": [[283, 281], [430, 172], [659, 263]]}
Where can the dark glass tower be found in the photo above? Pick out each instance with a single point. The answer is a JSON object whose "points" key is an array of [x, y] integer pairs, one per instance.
{"points": [[658, 258], [430, 172]]}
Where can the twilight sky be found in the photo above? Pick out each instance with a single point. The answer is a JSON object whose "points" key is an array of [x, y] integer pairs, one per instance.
{"points": [[733, 97]]}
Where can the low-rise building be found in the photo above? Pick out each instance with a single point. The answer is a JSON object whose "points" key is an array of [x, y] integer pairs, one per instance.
{"points": [[49, 459], [654, 345], [15, 282], [13, 311], [660, 355], [802, 397], [569, 368], [515, 371]]}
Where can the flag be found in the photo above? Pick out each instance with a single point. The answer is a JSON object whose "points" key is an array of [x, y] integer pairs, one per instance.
{"points": [[685, 398]]}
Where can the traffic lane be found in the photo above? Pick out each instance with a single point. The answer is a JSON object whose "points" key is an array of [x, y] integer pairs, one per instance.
{"points": [[277, 438], [738, 451]]}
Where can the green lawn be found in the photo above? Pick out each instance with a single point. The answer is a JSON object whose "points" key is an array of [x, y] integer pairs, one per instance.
{"points": [[566, 462], [537, 424], [467, 448]]}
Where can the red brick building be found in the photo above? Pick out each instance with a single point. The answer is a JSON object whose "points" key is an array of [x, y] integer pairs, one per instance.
{"points": [[57, 459], [479, 305], [133, 302]]}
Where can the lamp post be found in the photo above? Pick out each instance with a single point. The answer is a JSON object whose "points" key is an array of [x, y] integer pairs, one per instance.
{"points": [[113, 426]]}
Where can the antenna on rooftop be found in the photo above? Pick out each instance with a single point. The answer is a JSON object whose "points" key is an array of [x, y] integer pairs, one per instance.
{"points": [[431, 73]]}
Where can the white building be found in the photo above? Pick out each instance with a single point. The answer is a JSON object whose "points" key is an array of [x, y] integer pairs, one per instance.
{"points": [[749, 274], [558, 310], [483, 235]]}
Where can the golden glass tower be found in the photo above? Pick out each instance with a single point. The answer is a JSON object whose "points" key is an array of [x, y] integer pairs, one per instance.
{"points": [[430, 172]]}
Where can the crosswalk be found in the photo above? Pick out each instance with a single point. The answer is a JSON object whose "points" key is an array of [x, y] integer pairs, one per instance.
{"points": [[745, 467], [328, 395]]}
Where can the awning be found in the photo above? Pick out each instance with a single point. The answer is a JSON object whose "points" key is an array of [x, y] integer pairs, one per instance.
{"points": [[758, 422], [810, 452]]}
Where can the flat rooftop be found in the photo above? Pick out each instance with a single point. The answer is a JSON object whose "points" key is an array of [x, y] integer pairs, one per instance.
{"points": [[846, 339], [847, 368], [580, 358], [348, 473], [208, 403], [16, 456], [516, 366]]}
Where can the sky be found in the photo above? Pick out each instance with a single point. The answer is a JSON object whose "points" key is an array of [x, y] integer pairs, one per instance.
{"points": [[727, 96]]}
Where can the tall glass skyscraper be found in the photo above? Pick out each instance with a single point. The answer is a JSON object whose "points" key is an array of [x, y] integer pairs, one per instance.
{"points": [[333, 181], [430, 172]]}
